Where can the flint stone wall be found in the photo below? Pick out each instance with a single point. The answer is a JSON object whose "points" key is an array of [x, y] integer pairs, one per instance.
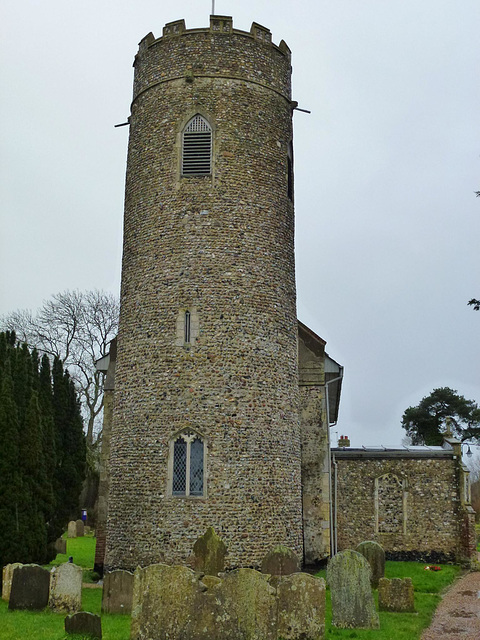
{"points": [[204, 243], [416, 514], [172, 603], [315, 450]]}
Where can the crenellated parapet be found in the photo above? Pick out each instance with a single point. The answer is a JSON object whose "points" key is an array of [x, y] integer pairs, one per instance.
{"points": [[217, 51]]}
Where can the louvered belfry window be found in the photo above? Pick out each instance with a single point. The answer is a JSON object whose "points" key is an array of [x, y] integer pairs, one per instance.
{"points": [[197, 148]]}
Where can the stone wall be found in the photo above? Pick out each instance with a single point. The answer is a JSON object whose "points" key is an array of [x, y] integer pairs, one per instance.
{"points": [[410, 505], [315, 449], [222, 244]]}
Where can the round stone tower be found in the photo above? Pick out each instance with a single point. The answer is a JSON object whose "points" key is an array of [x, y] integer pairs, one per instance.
{"points": [[206, 426]]}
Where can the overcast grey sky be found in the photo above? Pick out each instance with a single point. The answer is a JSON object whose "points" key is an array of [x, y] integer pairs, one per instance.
{"points": [[386, 167]]}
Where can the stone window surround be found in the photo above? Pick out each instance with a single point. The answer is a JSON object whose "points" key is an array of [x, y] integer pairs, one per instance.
{"points": [[183, 125], [189, 435], [404, 485], [180, 329]]}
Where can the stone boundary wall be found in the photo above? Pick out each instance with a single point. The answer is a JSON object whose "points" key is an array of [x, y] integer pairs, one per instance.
{"points": [[413, 507]]}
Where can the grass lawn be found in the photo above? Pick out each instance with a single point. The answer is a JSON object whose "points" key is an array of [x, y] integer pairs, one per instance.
{"points": [[45, 625], [428, 585]]}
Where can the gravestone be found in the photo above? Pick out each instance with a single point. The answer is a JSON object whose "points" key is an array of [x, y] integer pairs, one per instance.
{"points": [[117, 592], [164, 602], [85, 624], [280, 561], [348, 576], [396, 595], [301, 607], [247, 606], [30, 587], [7, 576], [72, 529], [209, 553], [65, 588], [60, 545], [375, 555], [80, 528]]}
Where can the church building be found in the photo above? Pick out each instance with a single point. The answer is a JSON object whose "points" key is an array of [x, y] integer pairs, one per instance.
{"points": [[218, 401]]}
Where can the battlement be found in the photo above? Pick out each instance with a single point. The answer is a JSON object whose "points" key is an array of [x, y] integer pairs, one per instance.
{"points": [[219, 51], [219, 25]]}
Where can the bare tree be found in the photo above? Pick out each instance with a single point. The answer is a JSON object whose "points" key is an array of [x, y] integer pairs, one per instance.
{"points": [[77, 327]]}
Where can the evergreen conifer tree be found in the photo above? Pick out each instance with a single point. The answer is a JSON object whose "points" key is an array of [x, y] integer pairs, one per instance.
{"points": [[42, 453]]}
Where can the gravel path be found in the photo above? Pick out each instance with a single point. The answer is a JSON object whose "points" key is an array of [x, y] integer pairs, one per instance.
{"points": [[458, 615]]}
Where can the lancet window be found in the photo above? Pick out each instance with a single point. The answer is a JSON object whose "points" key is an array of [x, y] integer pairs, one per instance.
{"points": [[197, 147], [188, 465]]}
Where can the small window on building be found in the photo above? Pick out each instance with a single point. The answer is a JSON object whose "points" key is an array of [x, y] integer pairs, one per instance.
{"points": [[290, 171], [197, 148], [188, 465], [187, 327]]}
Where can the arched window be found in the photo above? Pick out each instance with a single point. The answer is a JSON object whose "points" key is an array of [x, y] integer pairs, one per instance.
{"points": [[197, 148], [188, 465]]}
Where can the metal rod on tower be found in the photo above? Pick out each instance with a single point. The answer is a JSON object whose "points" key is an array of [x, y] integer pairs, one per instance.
{"points": [[213, 7]]}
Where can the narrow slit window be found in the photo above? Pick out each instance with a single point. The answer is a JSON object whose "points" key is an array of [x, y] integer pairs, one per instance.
{"points": [[197, 148], [290, 171], [187, 327]]}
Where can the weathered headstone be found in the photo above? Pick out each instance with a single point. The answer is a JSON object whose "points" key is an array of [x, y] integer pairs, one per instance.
{"points": [[66, 588], [396, 595], [164, 602], [301, 607], [85, 624], [348, 576], [247, 606], [117, 592], [30, 587], [280, 561], [72, 529], [375, 555], [7, 576], [209, 553], [80, 528], [61, 545]]}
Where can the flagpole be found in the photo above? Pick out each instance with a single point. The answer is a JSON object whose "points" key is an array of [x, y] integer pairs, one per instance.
{"points": [[213, 7]]}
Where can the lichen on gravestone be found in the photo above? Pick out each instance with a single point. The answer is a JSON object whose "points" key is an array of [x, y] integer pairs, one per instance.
{"points": [[375, 555], [301, 607], [209, 553], [65, 588], [84, 624], [396, 595], [7, 576], [353, 606], [30, 588], [280, 561], [117, 592]]}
